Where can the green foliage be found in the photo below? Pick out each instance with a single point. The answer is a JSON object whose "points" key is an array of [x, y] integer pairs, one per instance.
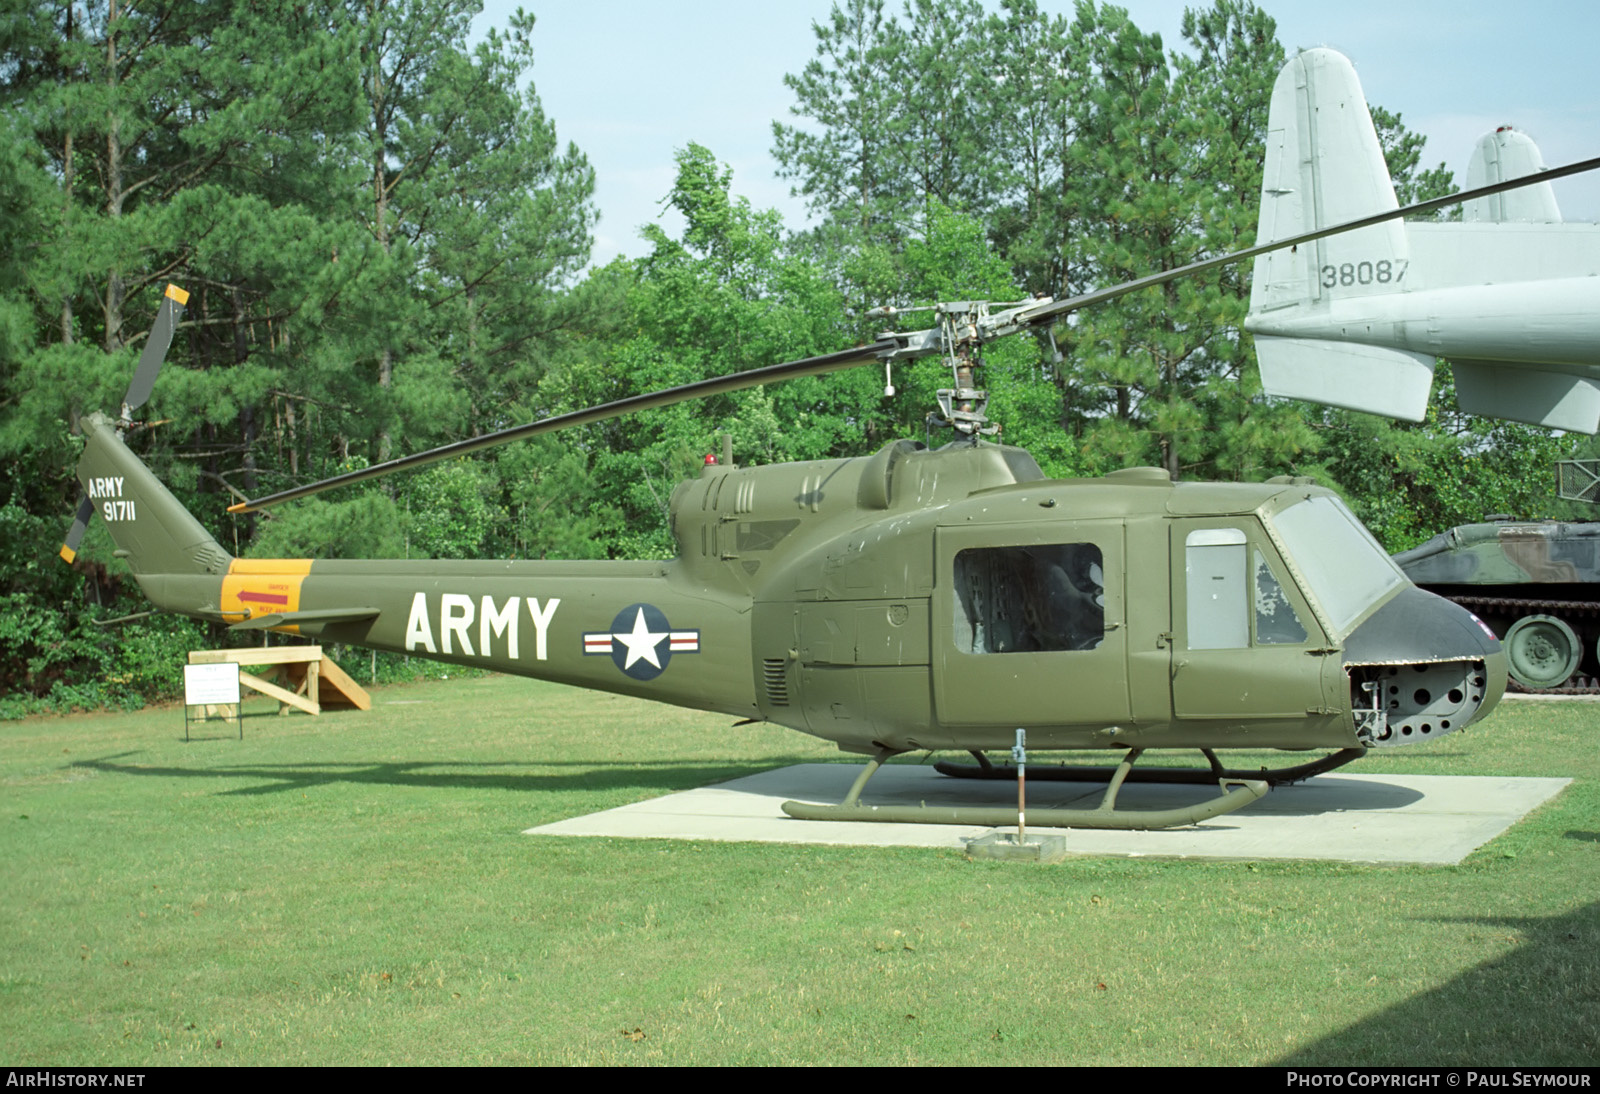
{"points": [[368, 525], [1117, 158], [55, 652], [1557, 508], [377, 225], [152, 653], [47, 648], [552, 503], [449, 513], [1410, 482], [1402, 151], [726, 296], [45, 634]]}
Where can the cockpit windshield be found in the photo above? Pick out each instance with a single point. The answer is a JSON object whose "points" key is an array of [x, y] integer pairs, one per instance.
{"points": [[1343, 565]]}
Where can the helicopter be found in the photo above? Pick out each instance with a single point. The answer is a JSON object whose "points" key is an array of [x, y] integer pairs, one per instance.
{"points": [[915, 599]]}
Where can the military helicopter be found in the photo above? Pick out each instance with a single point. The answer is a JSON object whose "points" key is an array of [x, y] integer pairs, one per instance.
{"points": [[915, 599]]}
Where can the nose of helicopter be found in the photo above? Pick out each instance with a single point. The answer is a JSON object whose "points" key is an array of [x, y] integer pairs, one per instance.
{"points": [[1420, 667]]}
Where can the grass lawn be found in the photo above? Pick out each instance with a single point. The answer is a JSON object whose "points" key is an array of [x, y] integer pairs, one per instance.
{"points": [[355, 889]]}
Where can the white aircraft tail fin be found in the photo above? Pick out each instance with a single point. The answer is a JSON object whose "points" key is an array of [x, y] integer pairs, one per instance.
{"points": [[1510, 295], [1502, 155], [1324, 166]]}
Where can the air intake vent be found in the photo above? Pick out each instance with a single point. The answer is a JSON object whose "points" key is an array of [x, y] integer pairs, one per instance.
{"points": [[211, 558], [777, 680]]}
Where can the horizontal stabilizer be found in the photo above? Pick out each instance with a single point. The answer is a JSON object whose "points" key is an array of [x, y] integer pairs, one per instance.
{"points": [[301, 619], [1373, 379], [1521, 393]]}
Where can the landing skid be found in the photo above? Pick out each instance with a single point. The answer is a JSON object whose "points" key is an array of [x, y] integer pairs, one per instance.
{"points": [[983, 769], [1237, 792]]}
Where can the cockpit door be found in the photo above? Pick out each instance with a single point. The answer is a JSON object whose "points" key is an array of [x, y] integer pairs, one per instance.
{"points": [[1246, 648]]}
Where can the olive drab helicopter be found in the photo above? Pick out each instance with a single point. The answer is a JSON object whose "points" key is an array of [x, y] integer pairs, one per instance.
{"points": [[915, 599]]}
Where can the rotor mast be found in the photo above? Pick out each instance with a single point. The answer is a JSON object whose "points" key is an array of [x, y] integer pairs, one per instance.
{"points": [[964, 326]]}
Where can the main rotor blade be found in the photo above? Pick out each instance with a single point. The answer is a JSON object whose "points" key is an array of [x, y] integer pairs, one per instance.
{"points": [[1048, 312], [155, 347], [700, 389], [919, 343]]}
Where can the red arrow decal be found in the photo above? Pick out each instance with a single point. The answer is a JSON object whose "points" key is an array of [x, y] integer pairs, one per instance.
{"points": [[263, 598]]}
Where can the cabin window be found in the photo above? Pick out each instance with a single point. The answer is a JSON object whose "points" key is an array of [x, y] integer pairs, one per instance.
{"points": [[1346, 570], [1277, 623], [1214, 574], [1029, 599], [1224, 599]]}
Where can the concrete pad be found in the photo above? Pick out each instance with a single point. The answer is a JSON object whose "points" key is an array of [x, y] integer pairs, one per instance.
{"points": [[1418, 819]]}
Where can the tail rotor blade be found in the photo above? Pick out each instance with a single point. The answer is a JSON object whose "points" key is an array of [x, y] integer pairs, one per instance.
{"points": [[155, 348], [80, 524]]}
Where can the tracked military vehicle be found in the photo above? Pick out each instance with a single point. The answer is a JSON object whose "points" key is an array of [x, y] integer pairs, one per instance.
{"points": [[1535, 583]]}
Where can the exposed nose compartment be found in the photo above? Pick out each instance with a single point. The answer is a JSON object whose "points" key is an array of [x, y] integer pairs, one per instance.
{"points": [[1421, 667]]}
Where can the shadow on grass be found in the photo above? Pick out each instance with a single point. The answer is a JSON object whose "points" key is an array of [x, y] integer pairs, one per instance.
{"points": [[196, 738], [516, 776], [521, 776], [1539, 1004]]}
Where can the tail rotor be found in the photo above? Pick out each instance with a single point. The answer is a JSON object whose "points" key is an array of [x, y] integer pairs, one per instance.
{"points": [[144, 382]]}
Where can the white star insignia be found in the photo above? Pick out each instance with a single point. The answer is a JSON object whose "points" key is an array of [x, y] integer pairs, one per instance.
{"points": [[641, 642]]}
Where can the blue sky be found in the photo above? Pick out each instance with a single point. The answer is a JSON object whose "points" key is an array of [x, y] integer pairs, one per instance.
{"points": [[631, 81]]}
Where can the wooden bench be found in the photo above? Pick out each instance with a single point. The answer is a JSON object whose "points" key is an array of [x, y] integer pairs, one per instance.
{"points": [[299, 677]]}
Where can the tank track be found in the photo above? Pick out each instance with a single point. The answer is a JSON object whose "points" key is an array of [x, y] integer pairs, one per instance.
{"points": [[1516, 607]]}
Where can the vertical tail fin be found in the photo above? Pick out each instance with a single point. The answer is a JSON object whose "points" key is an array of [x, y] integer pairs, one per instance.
{"points": [[173, 301], [1323, 167], [151, 528], [1508, 154]]}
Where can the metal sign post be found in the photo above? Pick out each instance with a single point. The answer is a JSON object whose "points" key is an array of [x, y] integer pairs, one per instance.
{"points": [[1019, 755]]}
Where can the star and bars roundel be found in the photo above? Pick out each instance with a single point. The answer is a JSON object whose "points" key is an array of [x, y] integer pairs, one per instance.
{"points": [[641, 642]]}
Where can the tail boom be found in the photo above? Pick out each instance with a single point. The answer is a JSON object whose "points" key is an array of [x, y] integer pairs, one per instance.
{"points": [[629, 627]]}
